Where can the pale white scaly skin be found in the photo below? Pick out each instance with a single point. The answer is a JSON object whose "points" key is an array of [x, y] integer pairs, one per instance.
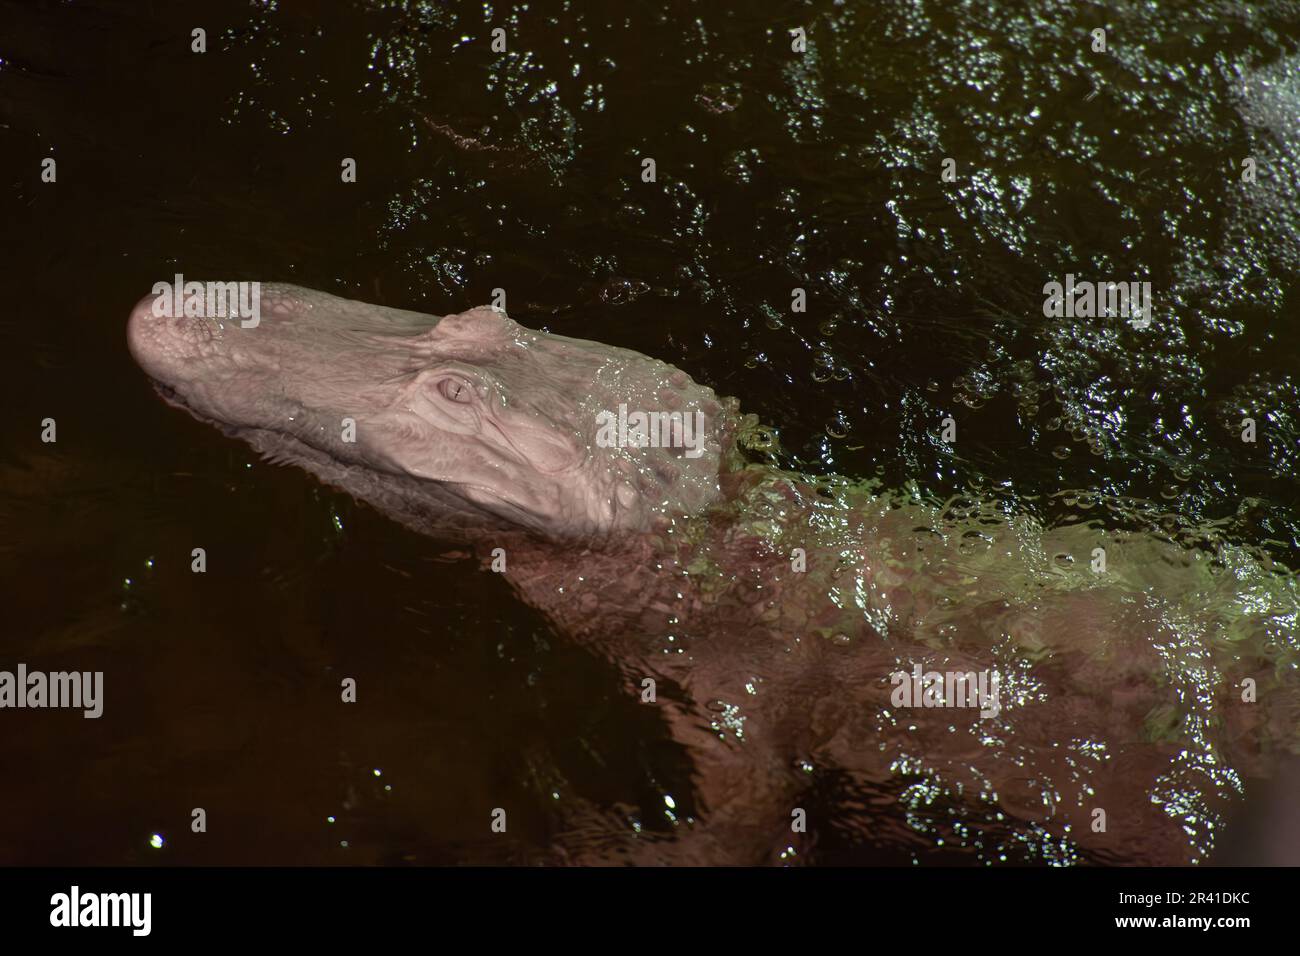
{"points": [[1119, 689], [502, 418]]}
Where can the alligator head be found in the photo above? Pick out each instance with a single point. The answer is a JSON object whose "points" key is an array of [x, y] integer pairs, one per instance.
{"points": [[467, 421]]}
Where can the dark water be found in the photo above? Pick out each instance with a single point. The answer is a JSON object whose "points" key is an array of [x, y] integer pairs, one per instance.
{"points": [[521, 170]]}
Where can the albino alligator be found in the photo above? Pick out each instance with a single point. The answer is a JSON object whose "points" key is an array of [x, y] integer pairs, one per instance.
{"points": [[773, 609]]}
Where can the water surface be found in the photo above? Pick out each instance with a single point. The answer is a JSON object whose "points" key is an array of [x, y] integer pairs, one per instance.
{"points": [[478, 170]]}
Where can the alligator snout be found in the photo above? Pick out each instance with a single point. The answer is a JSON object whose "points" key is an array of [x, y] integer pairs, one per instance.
{"points": [[222, 324], [162, 344]]}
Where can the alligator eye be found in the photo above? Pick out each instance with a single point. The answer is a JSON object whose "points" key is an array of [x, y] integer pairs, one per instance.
{"points": [[456, 390]]}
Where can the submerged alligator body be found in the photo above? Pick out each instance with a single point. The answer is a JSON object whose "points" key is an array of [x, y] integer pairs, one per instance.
{"points": [[783, 617]]}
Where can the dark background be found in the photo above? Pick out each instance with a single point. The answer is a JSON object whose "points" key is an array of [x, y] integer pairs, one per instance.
{"points": [[775, 170]]}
